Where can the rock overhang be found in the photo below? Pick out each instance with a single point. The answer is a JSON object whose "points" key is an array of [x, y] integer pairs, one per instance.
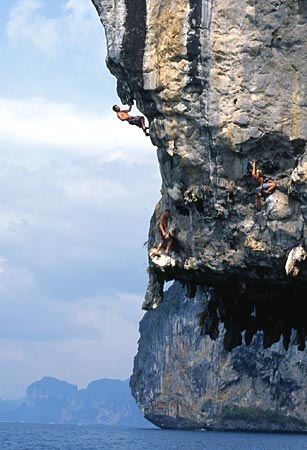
{"points": [[223, 85]]}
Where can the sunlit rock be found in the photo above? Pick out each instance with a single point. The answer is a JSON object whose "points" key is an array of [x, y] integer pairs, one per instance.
{"points": [[296, 265], [222, 84]]}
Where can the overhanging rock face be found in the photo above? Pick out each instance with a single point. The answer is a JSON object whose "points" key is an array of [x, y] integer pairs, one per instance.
{"points": [[223, 83]]}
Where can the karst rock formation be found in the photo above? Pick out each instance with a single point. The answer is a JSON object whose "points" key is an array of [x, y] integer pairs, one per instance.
{"points": [[223, 83]]}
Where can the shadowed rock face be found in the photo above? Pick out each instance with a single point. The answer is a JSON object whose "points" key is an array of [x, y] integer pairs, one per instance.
{"points": [[183, 380], [222, 83]]}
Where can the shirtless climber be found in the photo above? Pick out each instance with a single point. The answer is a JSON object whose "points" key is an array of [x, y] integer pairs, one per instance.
{"points": [[264, 187], [167, 237], [123, 115]]}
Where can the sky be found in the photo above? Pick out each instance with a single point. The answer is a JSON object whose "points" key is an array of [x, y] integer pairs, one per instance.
{"points": [[77, 189]]}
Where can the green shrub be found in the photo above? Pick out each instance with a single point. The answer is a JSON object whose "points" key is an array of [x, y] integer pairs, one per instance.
{"points": [[258, 414]]}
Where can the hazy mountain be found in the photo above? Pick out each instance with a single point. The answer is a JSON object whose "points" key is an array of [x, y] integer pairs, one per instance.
{"points": [[104, 401]]}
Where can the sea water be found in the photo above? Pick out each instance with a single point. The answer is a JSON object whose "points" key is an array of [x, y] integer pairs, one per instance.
{"points": [[74, 437]]}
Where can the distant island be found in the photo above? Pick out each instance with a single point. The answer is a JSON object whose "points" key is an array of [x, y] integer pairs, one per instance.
{"points": [[49, 400]]}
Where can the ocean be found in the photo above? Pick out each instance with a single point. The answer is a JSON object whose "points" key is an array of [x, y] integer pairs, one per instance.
{"points": [[73, 437]]}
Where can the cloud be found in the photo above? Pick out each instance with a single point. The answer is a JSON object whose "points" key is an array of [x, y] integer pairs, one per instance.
{"points": [[26, 23], [30, 313], [85, 218], [32, 22], [77, 189], [98, 191], [16, 285], [99, 315], [38, 318], [41, 123], [14, 355], [78, 341], [71, 233], [78, 360]]}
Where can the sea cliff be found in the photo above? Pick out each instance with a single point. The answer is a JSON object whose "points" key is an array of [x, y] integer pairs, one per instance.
{"points": [[49, 400], [184, 380], [222, 84]]}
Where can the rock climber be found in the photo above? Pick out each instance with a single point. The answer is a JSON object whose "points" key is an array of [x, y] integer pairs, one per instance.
{"points": [[166, 235], [123, 115], [264, 188]]}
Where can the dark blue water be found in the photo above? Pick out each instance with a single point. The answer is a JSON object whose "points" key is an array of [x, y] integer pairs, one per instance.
{"points": [[73, 437]]}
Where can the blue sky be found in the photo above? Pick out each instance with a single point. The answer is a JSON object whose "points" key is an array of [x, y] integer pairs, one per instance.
{"points": [[77, 189]]}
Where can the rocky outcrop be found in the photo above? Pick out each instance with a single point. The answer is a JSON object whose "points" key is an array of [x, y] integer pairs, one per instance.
{"points": [[184, 380], [222, 83], [105, 401]]}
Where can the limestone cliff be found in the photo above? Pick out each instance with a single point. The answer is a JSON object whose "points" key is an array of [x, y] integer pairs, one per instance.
{"points": [[222, 83], [184, 380], [49, 400]]}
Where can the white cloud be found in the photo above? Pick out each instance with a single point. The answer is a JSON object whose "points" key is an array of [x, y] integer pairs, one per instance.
{"points": [[97, 191], [17, 285], [81, 23], [53, 319], [30, 22], [77, 189], [11, 355], [98, 314], [77, 361], [40, 123], [2, 263], [85, 219], [79, 341], [27, 24]]}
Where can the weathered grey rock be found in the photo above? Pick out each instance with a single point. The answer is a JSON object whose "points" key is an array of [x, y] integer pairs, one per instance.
{"points": [[277, 206], [184, 380], [222, 83]]}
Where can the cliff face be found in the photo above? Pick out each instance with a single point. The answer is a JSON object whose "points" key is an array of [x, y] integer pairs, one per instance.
{"points": [[105, 401], [184, 380], [222, 83]]}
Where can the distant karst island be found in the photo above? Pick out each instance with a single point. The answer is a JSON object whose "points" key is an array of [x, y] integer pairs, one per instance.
{"points": [[49, 400]]}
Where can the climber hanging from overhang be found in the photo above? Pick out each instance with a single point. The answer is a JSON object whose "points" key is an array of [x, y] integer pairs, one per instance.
{"points": [[123, 115], [265, 187]]}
